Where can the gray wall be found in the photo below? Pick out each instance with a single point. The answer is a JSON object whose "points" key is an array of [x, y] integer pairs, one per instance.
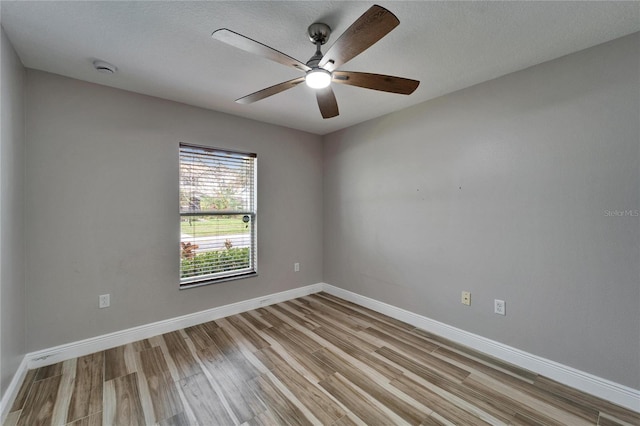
{"points": [[102, 208], [503, 189], [12, 250]]}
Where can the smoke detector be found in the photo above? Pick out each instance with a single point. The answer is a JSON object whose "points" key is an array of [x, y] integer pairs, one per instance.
{"points": [[104, 67]]}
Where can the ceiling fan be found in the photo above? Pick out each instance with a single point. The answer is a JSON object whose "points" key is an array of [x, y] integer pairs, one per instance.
{"points": [[321, 70]]}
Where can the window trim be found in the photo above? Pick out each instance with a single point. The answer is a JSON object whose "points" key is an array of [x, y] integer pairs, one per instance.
{"points": [[252, 270]]}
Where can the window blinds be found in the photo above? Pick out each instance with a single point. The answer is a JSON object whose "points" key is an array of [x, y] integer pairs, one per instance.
{"points": [[218, 215]]}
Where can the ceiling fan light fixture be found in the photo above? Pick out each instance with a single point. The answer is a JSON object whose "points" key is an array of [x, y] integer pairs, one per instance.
{"points": [[318, 78]]}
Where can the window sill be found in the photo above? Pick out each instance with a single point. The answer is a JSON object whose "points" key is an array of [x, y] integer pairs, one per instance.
{"points": [[217, 280]]}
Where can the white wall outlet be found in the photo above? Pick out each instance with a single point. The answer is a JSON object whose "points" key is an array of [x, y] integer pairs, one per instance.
{"points": [[500, 307], [104, 301], [296, 267], [466, 298]]}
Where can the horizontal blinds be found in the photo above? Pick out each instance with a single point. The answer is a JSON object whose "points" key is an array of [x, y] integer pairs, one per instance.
{"points": [[216, 181], [217, 214]]}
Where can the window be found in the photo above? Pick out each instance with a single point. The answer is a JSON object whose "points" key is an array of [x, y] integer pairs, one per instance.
{"points": [[217, 215]]}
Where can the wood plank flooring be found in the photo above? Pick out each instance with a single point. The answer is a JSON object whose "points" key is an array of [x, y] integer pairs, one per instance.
{"points": [[310, 361]]}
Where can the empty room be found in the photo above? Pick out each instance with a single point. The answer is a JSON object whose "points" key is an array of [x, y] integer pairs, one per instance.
{"points": [[320, 213]]}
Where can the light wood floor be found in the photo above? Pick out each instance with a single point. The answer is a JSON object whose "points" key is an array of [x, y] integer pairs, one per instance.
{"points": [[314, 360]]}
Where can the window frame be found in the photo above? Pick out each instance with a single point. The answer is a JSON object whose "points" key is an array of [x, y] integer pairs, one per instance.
{"points": [[252, 212]]}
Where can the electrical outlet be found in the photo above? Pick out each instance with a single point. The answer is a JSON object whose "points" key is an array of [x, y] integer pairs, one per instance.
{"points": [[104, 301], [296, 267], [466, 298], [500, 307]]}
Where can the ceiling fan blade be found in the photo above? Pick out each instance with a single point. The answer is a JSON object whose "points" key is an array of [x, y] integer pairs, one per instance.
{"points": [[327, 102], [384, 83], [374, 24], [248, 45], [270, 91]]}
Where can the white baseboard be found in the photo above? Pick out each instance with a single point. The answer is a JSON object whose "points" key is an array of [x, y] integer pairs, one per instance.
{"points": [[618, 394], [12, 390], [111, 340], [611, 391], [106, 341]]}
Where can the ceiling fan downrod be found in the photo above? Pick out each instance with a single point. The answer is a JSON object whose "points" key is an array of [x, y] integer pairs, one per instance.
{"points": [[317, 77]]}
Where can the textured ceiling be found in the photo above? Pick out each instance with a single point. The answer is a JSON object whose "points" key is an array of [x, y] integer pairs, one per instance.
{"points": [[164, 49]]}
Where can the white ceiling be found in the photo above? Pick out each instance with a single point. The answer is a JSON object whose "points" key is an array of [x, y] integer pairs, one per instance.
{"points": [[164, 49]]}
